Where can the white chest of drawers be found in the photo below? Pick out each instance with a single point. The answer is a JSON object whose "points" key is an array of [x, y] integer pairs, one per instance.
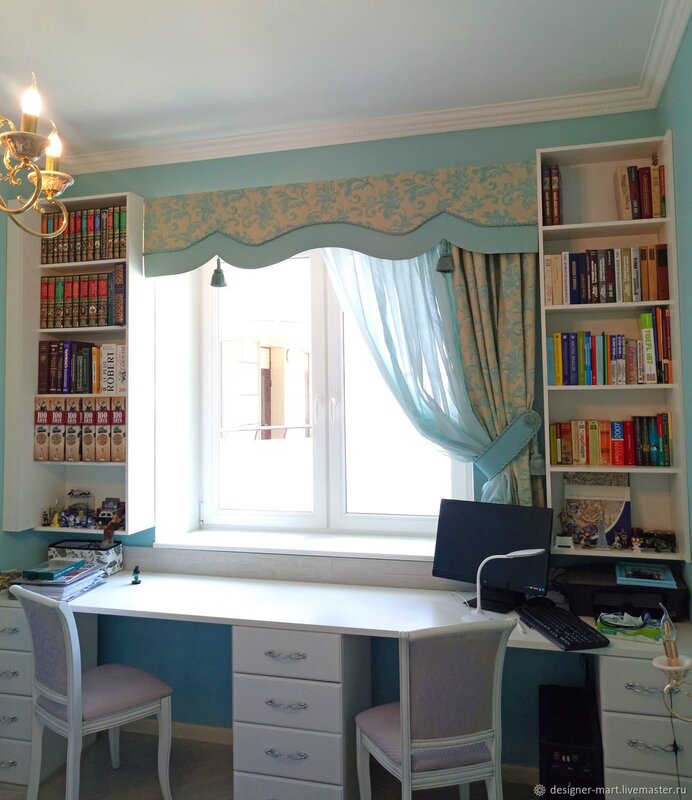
{"points": [[16, 669], [637, 731], [295, 697]]}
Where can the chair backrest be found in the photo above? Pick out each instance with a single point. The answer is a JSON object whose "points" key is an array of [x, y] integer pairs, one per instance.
{"points": [[451, 680], [55, 642]]}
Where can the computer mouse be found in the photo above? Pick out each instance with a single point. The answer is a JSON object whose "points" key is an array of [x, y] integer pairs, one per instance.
{"points": [[538, 600]]}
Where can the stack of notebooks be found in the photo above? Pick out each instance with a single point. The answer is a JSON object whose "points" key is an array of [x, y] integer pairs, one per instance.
{"points": [[61, 579]]}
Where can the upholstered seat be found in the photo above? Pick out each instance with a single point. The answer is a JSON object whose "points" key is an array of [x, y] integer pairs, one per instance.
{"points": [[74, 704], [445, 730]]}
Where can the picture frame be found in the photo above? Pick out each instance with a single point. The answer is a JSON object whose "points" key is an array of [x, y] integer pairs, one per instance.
{"points": [[644, 574]]}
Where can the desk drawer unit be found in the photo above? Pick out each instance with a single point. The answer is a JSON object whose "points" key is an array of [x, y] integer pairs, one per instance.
{"points": [[636, 729], [14, 630], [15, 758], [629, 784], [295, 697]]}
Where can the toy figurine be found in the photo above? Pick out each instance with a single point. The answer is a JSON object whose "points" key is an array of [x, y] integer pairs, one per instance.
{"points": [[135, 575], [116, 522]]}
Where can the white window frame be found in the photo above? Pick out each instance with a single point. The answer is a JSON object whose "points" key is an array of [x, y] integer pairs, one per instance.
{"points": [[329, 492]]}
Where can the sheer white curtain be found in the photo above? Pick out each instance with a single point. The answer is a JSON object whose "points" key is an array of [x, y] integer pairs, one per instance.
{"points": [[406, 312]]}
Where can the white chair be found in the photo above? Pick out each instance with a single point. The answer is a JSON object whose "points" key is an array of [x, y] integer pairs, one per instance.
{"points": [[74, 704], [445, 731]]}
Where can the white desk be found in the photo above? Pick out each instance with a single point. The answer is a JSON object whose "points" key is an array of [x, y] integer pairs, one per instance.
{"points": [[346, 614]]}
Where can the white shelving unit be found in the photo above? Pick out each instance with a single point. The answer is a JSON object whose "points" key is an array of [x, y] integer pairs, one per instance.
{"points": [[658, 494], [31, 486]]}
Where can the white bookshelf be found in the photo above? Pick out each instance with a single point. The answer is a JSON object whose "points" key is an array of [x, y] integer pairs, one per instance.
{"points": [[658, 494], [31, 486]]}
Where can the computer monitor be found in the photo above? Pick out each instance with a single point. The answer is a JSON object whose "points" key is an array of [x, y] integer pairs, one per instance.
{"points": [[469, 532]]}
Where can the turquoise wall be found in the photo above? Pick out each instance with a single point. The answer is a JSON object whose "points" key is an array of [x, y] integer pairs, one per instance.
{"points": [[166, 647]]}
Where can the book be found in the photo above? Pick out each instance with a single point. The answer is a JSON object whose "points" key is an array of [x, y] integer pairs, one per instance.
{"points": [[653, 277], [556, 194], [546, 195], [623, 203], [119, 294], [655, 191], [644, 574], [645, 192], [633, 175], [644, 272], [108, 368], [52, 569], [646, 327], [596, 511], [663, 290]]}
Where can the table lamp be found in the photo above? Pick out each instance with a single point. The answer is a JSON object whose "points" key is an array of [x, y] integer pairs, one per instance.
{"points": [[478, 611]]}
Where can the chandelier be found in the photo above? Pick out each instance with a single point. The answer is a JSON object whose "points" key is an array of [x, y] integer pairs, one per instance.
{"points": [[23, 148]]}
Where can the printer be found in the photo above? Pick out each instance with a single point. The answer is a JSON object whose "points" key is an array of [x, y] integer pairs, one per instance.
{"points": [[593, 590]]}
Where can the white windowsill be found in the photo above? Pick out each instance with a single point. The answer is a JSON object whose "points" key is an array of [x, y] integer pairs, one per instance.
{"points": [[345, 545]]}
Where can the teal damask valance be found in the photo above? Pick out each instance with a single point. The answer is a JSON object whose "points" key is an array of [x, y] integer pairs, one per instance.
{"points": [[383, 215]]}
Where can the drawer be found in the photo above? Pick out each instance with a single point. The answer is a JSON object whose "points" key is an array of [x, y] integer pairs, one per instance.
{"points": [[16, 672], [14, 630], [286, 753], [15, 758], [633, 742], [262, 787], [308, 705], [635, 685], [287, 653], [628, 785], [15, 716]]}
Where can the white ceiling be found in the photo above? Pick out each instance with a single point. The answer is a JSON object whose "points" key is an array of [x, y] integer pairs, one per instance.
{"points": [[135, 82]]}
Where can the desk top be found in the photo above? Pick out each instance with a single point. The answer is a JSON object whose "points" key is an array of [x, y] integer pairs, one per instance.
{"points": [[325, 607]]}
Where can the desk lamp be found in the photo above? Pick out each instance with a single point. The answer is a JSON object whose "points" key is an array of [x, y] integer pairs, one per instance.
{"points": [[478, 611]]}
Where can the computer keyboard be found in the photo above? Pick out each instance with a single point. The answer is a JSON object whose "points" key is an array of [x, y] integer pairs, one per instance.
{"points": [[561, 627]]}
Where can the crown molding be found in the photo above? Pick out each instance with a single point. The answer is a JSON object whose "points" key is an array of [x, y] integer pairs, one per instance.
{"points": [[670, 28]]}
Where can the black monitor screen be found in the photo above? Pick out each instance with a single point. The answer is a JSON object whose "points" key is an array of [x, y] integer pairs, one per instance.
{"points": [[469, 532]]}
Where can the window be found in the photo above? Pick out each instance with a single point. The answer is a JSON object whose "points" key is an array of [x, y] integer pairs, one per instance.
{"points": [[299, 431]]}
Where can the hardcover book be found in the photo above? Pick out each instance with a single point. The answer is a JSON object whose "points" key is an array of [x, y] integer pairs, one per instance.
{"points": [[52, 569]]}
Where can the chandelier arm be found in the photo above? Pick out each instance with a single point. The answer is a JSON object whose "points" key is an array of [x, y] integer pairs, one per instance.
{"points": [[57, 232], [666, 700], [26, 204]]}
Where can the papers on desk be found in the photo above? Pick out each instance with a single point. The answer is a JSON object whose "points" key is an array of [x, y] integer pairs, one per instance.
{"points": [[67, 586]]}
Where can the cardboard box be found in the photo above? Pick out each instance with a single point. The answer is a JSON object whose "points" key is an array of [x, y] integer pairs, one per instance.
{"points": [[56, 413], [110, 557], [41, 429], [118, 429], [103, 429], [88, 429]]}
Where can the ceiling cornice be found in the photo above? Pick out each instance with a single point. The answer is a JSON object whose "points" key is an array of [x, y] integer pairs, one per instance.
{"points": [[665, 41]]}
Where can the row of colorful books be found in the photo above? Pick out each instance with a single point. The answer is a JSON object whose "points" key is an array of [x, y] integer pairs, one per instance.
{"points": [[70, 367], [642, 441], [90, 429], [609, 275], [61, 579], [92, 234], [580, 358], [640, 192], [83, 301], [551, 187]]}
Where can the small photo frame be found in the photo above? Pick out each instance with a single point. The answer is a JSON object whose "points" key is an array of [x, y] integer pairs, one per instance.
{"points": [[644, 574]]}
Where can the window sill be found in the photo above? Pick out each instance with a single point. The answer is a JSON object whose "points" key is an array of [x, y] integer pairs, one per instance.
{"points": [[344, 545]]}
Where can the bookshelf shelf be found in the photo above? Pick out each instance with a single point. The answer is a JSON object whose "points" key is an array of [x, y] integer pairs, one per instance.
{"points": [[590, 221], [31, 485]]}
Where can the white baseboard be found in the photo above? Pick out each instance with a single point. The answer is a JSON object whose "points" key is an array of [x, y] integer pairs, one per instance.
{"points": [[185, 730]]}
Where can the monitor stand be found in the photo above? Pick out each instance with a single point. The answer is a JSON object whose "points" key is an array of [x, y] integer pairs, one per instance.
{"points": [[502, 600]]}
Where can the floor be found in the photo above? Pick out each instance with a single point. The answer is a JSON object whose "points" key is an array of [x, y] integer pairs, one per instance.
{"points": [[199, 771]]}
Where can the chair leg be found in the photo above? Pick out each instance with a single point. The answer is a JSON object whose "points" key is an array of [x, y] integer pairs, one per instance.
{"points": [[464, 791], [35, 768], [363, 767], [74, 756], [165, 734], [114, 744], [493, 788]]}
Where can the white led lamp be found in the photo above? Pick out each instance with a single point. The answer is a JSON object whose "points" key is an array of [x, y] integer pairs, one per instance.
{"points": [[478, 611]]}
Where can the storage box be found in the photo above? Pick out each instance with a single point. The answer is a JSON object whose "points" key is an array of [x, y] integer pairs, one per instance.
{"points": [[110, 556]]}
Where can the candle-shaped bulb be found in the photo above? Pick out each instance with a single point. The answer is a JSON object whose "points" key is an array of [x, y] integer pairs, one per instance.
{"points": [[31, 107], [54, 150], [669, 635]]}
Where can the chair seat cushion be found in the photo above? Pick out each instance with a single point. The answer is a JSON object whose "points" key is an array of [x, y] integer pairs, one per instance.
{"points": [[111, 689], [382, 725]]}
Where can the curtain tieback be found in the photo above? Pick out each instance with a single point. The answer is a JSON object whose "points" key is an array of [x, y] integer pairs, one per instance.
{"points": [[503, 450]]}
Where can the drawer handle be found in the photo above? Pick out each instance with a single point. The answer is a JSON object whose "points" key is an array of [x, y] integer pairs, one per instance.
{"points": [[8, 764], [9, 719], [279, 656], [299, 756], [639, 689], [9, 673], [274, 703], [666, 748], [9, 631]]}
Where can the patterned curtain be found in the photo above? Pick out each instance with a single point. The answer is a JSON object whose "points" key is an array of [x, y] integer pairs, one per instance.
{"points": [[496, 315]]}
